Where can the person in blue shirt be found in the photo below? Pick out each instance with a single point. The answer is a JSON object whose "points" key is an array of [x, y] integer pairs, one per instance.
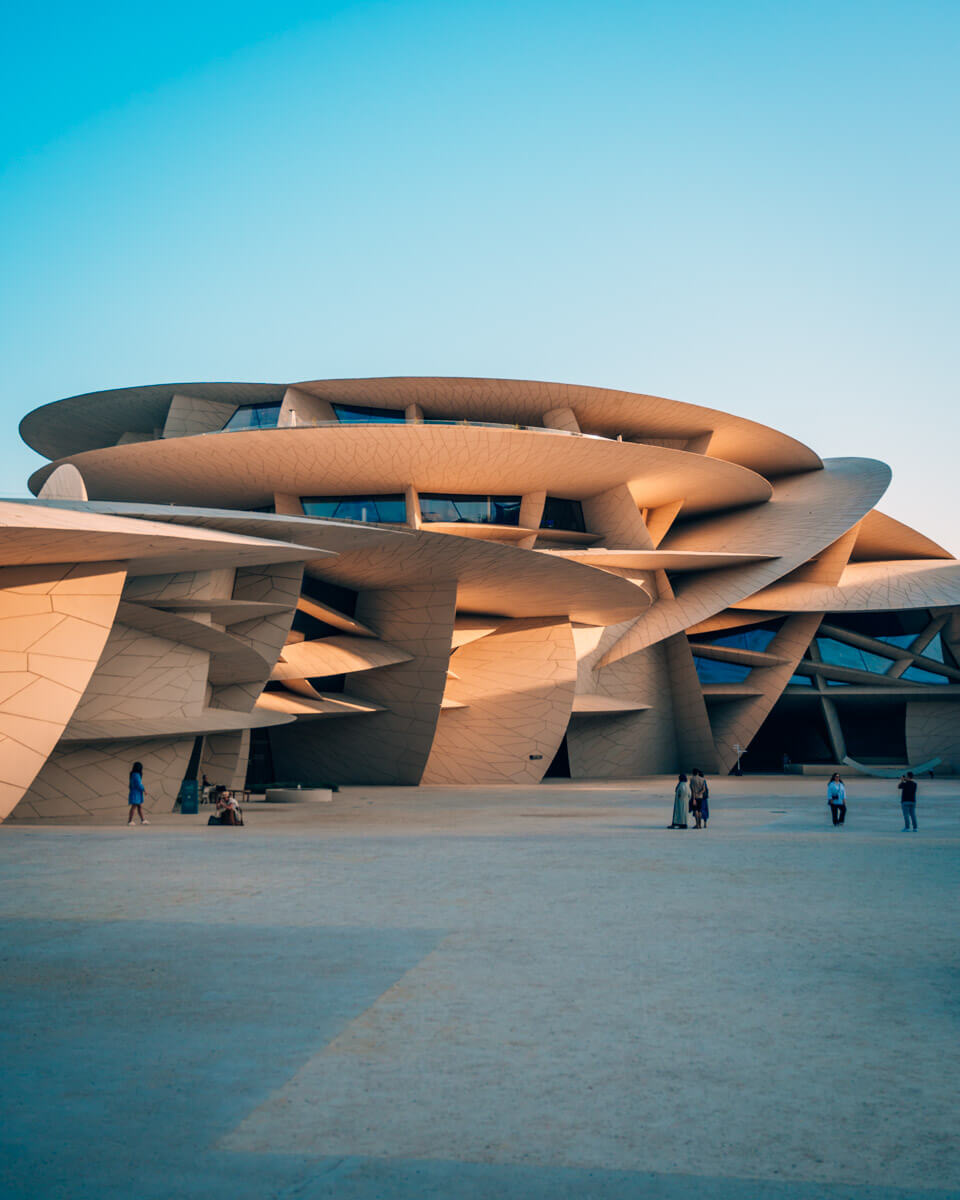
{"points": [[135, 796], [837, 798]]}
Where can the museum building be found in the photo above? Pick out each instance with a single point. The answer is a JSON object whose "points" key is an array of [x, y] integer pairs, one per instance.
{"points": [[443, 581]]}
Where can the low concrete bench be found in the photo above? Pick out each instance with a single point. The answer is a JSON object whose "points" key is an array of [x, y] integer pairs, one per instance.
{"points": [[299, 796]]}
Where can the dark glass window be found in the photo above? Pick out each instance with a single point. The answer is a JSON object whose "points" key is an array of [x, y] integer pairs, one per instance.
{"points": [[884, 626], [902, 640], [472, 510], [934, 649], [255, 416], [358, 414], [802, 680], [839, 654], [385, 510], [710, 670], [563, 514], [746, 639], [919, 675]]}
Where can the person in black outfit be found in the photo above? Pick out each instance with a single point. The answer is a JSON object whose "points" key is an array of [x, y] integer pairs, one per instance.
{"points": [[908, 801]]}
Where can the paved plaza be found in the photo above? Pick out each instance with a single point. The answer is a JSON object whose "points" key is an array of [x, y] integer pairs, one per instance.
{"points": [[523, 992]]}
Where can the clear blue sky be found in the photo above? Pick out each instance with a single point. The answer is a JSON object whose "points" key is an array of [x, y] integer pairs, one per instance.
{"points": [[747, 205]]}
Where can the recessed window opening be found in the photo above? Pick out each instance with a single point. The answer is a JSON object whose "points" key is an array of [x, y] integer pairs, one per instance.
{"points": [[746, 639], [359, 414], [344, 600], [563, 514], [934, 649], [471, 510], [383, 510], [711, 670], [841, 654], [895, 628], [919, 675], [255, 416]]}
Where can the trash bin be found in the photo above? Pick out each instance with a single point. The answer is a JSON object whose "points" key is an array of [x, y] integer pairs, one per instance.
{"points": [[189, 796]]}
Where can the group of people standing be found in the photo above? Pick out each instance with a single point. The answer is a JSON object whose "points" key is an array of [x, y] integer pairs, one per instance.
{"points": [[691, 796], [837, 799]]}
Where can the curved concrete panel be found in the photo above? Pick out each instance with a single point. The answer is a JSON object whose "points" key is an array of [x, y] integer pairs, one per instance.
{"points": [[489, 577], [246, 468], [40, 533], [335, 656], [54, 624], [96, 419], [65, 483], [391, 746], [869, 587], [882, 539], [82, 779], [317, 705], [515, 692], [100, 419], [231, 660], [933, 731], [656, 560], [807, 513], [208, 720]]}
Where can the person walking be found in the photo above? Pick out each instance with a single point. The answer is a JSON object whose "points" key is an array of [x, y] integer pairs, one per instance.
{"points": [[837, 798], [681, 798], [697, 786], [136, 794], [908, 801]]}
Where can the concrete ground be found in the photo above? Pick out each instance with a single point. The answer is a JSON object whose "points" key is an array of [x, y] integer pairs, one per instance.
{"points": [[522, 992]]}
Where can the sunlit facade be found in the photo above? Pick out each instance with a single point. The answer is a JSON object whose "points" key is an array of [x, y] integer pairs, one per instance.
{"points": [[429, 580]]}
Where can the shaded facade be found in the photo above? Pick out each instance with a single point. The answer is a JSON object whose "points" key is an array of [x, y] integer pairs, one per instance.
{"points": [[452, 581]]}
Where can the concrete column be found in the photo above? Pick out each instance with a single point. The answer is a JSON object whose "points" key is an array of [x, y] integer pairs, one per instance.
{"points": [[531, 514], [413, 504], [287, 505], [837, 743], [413, 412], [300, 408]]}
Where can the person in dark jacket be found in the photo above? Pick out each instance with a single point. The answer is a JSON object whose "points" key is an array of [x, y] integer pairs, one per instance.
{"points": [[908, 801]]}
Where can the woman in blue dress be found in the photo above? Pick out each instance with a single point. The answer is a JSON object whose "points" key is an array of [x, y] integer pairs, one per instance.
{"points": [[135, 796]]}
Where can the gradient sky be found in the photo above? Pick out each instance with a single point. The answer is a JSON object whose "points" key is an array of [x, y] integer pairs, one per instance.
{"points": [[746, 205]]}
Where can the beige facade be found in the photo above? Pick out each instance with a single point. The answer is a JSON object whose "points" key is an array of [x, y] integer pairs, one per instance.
{"points": [[451, 581]]}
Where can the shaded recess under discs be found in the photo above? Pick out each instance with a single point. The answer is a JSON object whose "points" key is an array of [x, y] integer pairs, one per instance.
{"points": [[443, 581]]}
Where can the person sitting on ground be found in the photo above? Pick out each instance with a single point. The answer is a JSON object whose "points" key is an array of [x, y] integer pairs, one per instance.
{"points": [[228, 809], [837, 798]]}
